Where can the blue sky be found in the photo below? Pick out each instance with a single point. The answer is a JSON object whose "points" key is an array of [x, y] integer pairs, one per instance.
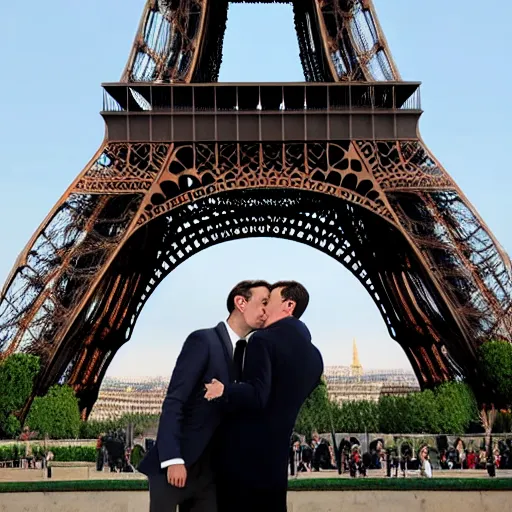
{"points": [[57, 53]]}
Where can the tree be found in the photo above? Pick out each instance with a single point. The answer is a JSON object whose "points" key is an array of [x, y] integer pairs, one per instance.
{"points": [[91, 429], [356, 416], [457, 407], [423, 413], [496, 368], [12, 426], [17, 374], [503, 423], [315, 413], [56, 414], [394, 415], [449, 409]]}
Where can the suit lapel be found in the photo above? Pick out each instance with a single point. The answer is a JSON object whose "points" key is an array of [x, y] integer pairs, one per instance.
{"points": [[227, 346]]}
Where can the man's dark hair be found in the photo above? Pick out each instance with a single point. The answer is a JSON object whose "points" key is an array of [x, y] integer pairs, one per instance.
{"points": [[291, 290], [244, 289]]}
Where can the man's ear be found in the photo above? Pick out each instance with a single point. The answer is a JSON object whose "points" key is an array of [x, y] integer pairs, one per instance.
{"points": [[290, 306], [240, 303]]}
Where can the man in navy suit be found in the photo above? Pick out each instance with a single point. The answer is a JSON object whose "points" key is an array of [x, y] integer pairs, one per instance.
{"points": [[178, 466], [281, 369]]}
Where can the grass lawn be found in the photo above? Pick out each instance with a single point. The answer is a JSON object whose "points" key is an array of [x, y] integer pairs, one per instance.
{"points": [[324, 484]]}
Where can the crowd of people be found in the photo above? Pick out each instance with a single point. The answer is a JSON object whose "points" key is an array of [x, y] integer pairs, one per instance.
{"points": [[113, 452], [319, 455], [460, 456]]}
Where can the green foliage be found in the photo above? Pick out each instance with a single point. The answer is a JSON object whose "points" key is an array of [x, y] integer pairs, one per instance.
{"points": [[399, 484], [137, 455], [37, 451], [315, 413], [423, 414], [496, 368], [74, 453], [12, 452], [92, 429], [503, 423], [52, 485], [357, 416], [12, 426], [6, 452], [55, 415], [449, 409], [61, 453], [141, 422], [17, 374], [393, 415], [457, 407], [300, 484]]}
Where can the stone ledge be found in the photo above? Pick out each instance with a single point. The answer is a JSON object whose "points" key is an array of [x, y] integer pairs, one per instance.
{"points": [[313, 501]]}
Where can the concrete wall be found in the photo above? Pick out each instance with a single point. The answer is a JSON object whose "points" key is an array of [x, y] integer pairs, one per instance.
{"points": [[374, 501]]}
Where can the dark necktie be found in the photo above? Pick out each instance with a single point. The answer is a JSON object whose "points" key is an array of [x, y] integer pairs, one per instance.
{"points": [[238, 359]]}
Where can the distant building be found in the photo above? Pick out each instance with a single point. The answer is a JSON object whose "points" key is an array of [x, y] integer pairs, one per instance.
{"points": [[349, 383], [135, 395], [356, 369], [145, 395]]}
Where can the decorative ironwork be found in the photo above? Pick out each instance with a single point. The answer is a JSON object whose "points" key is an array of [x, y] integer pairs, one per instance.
{"points": [[174, 42], [385, 209]]}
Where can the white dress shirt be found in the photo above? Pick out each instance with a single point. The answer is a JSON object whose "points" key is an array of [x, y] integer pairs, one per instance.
{"points": [[233, 336]]}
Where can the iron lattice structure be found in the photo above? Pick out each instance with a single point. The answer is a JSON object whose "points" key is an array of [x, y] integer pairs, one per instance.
{"points": [[187, 164]]}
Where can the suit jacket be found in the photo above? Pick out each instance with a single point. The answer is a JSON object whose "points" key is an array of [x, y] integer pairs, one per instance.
{"points": [[188, 421], [282, 368]]}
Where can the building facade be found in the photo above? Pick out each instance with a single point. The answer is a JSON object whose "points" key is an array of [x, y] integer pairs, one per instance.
{"points": [[140, 395], [349, 383], [135, 395]]}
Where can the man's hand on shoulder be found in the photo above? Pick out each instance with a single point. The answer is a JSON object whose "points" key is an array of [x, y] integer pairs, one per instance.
{"points": [[177, 475], [214, 389]]}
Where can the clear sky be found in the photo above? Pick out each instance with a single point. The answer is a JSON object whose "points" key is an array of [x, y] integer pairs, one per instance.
{"points": [[56, 54]]}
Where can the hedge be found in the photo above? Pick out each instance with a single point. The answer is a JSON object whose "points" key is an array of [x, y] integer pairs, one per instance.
{"points": [[92, 429], [61, 453], [401, 484], [320, 484], [74, 453]]}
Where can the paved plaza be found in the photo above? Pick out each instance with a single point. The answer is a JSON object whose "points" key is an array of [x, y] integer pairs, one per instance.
{"points": [[87, 471]]}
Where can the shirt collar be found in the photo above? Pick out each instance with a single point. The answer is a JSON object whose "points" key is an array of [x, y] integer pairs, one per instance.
{"points": [[233, 336]]}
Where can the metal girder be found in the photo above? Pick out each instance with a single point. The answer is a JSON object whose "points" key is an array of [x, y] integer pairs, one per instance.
{"points": [[387, 210]]}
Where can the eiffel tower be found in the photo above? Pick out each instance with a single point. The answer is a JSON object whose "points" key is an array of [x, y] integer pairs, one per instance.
{"points": [[336, 163]]}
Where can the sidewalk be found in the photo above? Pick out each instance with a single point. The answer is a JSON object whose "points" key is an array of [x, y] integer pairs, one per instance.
{"points": [[90, 473]]}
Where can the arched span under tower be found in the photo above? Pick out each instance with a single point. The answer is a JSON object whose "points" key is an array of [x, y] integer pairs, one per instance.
{"points": [[336, 162]]}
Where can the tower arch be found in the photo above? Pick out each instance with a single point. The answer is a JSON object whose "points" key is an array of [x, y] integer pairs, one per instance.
{"points": [[185, 165]]}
